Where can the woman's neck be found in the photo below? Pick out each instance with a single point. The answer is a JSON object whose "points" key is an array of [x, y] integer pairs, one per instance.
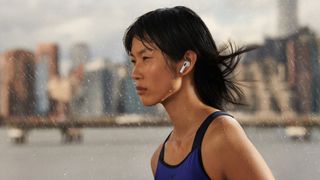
{"points": [[186, 111]]}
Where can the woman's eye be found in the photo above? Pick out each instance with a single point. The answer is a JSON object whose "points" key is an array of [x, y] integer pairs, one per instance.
{"points": [[133, 62], [145, 58]]}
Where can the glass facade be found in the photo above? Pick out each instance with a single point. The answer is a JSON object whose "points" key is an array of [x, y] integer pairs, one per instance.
{"points": [[42, 77]]}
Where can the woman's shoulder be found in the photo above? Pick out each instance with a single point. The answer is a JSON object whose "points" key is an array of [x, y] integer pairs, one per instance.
{"points": [[227, 148], [224, 134], [225, 127], [216, 142]]}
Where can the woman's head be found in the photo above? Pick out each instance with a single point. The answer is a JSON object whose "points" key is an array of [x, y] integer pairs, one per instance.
{"points": [[175, 32]]}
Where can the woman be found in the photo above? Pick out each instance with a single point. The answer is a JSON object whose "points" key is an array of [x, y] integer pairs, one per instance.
{"points": [[176, 63]]}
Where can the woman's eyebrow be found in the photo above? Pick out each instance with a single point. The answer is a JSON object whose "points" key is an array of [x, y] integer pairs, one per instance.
{"points": [[144, 50]]}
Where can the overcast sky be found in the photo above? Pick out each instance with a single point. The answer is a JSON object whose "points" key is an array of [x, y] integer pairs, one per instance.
{"points": [[101, 23]]}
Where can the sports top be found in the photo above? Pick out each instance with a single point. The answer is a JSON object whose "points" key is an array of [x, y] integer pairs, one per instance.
{"points": [[191, 168]]}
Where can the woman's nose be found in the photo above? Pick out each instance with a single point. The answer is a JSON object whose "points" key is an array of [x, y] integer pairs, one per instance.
{"points": [[136, 73]]}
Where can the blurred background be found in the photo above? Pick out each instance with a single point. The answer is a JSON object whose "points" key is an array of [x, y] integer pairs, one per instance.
{"points": [[68, 108]]}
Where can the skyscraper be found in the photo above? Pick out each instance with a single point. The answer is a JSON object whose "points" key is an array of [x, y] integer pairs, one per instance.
{"points": [[17, 83], [46, 68], [287, 17], [96, 95]]}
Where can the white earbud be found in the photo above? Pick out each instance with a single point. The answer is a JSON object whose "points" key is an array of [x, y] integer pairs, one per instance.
{"points": [[185, 65]]}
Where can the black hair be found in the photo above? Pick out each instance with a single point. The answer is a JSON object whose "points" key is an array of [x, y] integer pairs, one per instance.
{"points": [[179, 29]]}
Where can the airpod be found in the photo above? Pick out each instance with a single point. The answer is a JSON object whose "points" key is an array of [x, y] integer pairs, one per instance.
{"points": [[184, 66]]}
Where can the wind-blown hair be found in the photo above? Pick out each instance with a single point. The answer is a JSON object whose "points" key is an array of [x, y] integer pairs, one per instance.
{"points": [[179, 29]]}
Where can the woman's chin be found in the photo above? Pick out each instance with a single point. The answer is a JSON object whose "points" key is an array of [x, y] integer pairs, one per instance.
{"points": [[146, 102], [149, 104]]}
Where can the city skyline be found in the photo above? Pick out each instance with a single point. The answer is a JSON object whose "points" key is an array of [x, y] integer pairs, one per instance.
{"points": [[102, 24]]}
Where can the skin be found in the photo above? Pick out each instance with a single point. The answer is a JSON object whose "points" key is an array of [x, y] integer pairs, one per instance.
{"points": [[226, 151]]}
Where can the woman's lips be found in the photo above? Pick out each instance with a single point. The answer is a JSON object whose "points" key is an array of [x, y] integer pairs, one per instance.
{"points": [[141, 90]]}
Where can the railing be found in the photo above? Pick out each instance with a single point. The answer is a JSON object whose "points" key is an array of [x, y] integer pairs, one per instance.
{"points": [[263, 120]]}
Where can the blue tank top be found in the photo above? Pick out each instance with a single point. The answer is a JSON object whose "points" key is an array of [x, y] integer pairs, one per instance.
{"points": [[191, 168]]}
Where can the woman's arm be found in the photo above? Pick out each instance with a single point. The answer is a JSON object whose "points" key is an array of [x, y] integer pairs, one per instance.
{"points": [[238, 158]]}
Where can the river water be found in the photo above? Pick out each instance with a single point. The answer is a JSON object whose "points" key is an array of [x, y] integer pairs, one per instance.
{"points": [[124, 153]]}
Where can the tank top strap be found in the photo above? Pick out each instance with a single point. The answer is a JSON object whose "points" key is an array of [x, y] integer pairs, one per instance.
{"points": [[162, 148], [204, 126]]}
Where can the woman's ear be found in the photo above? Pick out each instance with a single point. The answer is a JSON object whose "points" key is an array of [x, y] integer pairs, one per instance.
{"points": [[187, 63]]}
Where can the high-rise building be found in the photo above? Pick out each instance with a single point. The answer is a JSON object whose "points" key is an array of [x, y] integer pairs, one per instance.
{"points": [[318, 47], [287, 17], [17, 83], [303, 70], [46, 57], [79, 54], [2, 100], [95, 97], [107, 90], [298, 53]]}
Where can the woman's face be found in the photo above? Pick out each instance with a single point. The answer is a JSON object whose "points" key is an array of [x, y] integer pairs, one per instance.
{"points": [[153, 78]]}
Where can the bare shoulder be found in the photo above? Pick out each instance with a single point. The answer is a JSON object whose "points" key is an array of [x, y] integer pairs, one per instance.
{"points": [[226, 127], [223, 132], [215, 143], [155, 158], [233, 154]]}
